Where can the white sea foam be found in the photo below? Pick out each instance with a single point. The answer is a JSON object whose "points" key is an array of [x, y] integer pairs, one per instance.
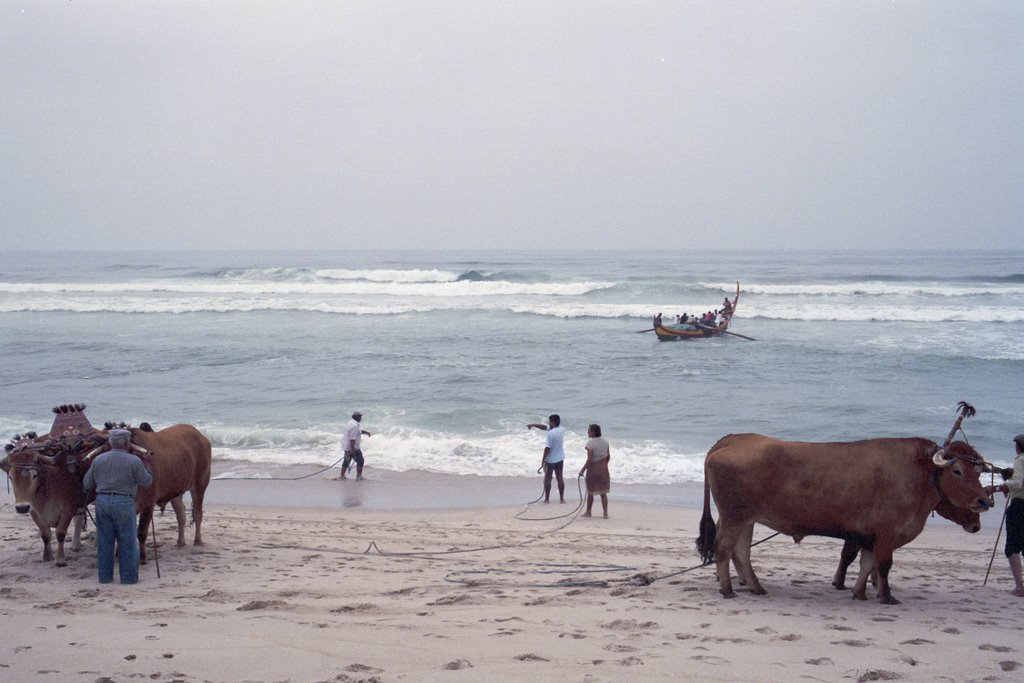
{"points": [[461, 288], [564, 308], [878, 288], [490, 454], [414, 275]]}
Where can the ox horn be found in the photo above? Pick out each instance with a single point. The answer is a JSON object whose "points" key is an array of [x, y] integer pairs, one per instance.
{"points": [[94, 452], [138, 450], [53, 460], [966, 410], [939, 458]]}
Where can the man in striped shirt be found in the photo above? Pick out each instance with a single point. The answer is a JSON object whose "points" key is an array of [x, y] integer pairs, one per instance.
{"points": [[115, 475]]}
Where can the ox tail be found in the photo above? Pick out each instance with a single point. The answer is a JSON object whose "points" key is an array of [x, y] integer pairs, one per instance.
{"points": [[706, 539]]}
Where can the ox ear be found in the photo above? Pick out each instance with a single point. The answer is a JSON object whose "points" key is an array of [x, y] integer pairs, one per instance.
{"points": [[939, 458], [5, 465]]}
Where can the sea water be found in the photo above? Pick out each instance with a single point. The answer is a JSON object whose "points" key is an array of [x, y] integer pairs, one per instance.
{"points": [[449, 354]]}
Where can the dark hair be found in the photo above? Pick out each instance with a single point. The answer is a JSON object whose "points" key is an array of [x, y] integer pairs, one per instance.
{"points": [[1019, 441], [554, 418], [596, 428]]}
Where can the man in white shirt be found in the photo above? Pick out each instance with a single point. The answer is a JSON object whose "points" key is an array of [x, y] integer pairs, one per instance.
{"points": [[554, 455], [351, 445]]}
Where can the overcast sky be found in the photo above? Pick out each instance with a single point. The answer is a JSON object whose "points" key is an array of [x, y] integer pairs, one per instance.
{"points": [[484, 123]]}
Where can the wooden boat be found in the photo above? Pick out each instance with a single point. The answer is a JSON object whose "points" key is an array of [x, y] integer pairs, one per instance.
{"points": [[695, 330]]}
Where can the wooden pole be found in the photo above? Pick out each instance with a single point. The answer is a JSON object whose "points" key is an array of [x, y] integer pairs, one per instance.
{"points": [[994, 547], [156, 556]]}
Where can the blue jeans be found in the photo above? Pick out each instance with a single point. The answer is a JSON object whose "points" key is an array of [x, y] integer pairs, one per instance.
{"points": [[115, 519]]}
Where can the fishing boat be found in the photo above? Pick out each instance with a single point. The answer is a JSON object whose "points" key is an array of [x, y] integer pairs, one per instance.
{"points": [[695, 329]]}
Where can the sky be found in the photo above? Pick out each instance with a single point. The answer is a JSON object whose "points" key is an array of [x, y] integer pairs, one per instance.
{"points": [[511, 124]]}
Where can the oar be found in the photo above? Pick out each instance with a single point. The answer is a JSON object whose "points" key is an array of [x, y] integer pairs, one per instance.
{"points": [[728, 332], [642, 331]]}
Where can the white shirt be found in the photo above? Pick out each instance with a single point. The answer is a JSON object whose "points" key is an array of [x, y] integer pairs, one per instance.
{"points": [[1015, 484], [352, 433]]}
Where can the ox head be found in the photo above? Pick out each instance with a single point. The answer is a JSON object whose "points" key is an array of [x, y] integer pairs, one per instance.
{"points": [[958, 476], [969, 520], [24, 467]]}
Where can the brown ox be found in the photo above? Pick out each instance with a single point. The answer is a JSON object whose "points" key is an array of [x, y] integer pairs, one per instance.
{"points": [[877, 493], [50, 489], [181, 461]]}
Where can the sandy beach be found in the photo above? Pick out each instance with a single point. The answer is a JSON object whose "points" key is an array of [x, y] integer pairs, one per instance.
{"points": [[423, 577]]}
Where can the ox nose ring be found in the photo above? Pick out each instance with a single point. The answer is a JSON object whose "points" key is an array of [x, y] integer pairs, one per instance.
{"points": [[22, 509]]}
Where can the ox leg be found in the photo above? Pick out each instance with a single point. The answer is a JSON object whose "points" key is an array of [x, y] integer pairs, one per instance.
{"points": [[145, 518], [179, 512], [883, 563], [741, 558], [867, 566], [725, 542], [739, 572], [44, 533], [62, 535], [197, 512], [76, 538], [846, 558]]}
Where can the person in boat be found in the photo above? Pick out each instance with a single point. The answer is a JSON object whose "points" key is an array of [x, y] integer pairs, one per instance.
{"points": [[683, 318], [726, 307], [656, 321]]}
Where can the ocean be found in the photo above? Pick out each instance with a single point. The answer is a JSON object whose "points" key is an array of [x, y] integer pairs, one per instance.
{"points": [[449, 354]]}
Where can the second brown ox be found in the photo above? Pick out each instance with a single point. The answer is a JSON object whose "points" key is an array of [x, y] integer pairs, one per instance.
{"points": [[877, 493], [181, 462]]}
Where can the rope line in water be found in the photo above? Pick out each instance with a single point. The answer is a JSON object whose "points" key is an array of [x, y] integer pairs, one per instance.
{"points": [[305, 476]]}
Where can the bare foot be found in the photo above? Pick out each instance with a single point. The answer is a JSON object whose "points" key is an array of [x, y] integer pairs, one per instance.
{"points": [[341, 478], [359, 478], [606, 515], [585, 514], [562, 501], [1019, 592]]}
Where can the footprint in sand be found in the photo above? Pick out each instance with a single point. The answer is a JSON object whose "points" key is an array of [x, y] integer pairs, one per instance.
{"points": [[820, 661], [995, 648], [261, 604], [363, 668], [878, 675], [1009, 665], [851, 643], [630, 625], [458, 664], [530, 658]]}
